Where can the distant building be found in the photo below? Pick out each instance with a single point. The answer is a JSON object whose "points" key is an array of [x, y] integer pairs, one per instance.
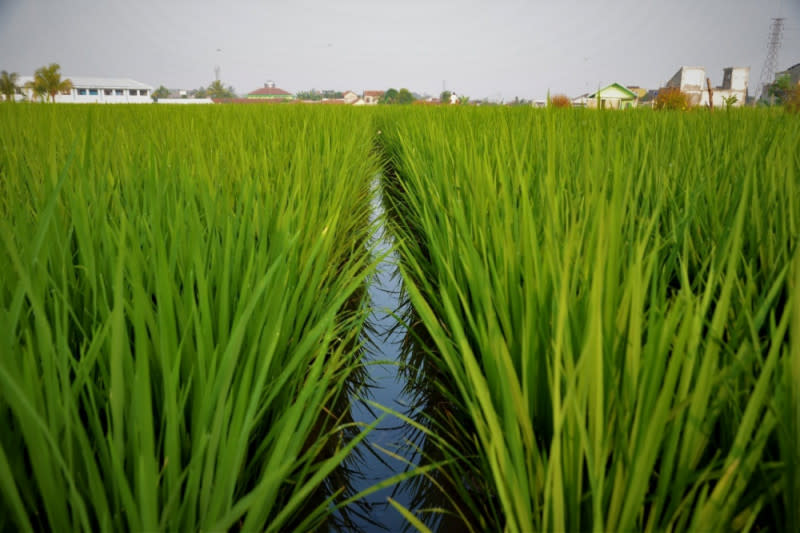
{"points": [[372, 97], [648, 100], [614, 96], [692, 82], [350, 97], [87, 90], [581, 101], [270, 92]]}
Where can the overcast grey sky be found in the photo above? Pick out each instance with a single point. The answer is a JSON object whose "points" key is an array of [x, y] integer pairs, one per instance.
{"points": [[496, 49]]}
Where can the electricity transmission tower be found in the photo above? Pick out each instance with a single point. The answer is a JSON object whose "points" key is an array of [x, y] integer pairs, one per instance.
{"points": [[771, 62]]}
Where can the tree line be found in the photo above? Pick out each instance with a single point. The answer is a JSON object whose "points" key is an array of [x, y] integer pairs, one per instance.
{"points": [[46, 83]]}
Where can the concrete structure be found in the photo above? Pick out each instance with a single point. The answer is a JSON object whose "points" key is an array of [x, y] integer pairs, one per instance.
{"points": [[614, 96], [87, 90], [270, 92], [692, 82]]}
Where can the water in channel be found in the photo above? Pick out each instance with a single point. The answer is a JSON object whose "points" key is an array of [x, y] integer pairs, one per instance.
{"points": [[386, 387]]}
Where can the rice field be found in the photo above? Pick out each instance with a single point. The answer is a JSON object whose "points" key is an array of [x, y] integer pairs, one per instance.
{"points": [[610, 303], [603, 321], [182, 303]]}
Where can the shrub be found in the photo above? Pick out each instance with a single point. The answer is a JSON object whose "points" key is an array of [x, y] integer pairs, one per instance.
{"points": [[671, 98], [560, 100]]}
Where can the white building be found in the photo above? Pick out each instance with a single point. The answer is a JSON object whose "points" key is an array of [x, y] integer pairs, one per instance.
{"points": [[692, 82], [96, 90]]}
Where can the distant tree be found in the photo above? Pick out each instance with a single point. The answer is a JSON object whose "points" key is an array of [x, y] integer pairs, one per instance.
{"points": [[38, 90], [389, 97], [200, 93], [780, 89], [47, 80], [445, 97], [217, 90], [463, 99], [310, 96], [671, 98], [161, 92], [8, 84], [404, 96], [560, 100]]}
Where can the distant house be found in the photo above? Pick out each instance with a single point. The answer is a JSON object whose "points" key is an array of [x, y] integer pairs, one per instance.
{"points": [[614, 96], [649, 98], [269, 92], [581, 101], [350, 97], [692, 82], [86, 90], [372, 97]]}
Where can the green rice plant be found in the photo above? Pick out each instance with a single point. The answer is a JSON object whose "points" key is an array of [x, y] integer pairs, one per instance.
{"points": [[181, 303], [610, 298]]}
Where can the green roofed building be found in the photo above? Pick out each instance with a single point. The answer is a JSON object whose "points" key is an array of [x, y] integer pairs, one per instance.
{"points": [[614, 96], [269, 92]]}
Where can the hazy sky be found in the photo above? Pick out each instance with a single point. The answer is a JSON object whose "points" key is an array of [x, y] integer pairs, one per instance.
{"points": [[496, 49]]}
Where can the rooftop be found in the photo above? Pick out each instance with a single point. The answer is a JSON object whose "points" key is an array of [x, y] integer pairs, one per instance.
{"points": [[269, 91], [96, 83]]}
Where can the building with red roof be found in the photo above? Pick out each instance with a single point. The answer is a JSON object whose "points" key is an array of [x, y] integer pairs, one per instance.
{"points": [[270, 92]]}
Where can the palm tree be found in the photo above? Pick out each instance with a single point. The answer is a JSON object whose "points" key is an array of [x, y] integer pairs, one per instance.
{"points": [[217, 90], [47, 80], [8, 84], [38, 89]]}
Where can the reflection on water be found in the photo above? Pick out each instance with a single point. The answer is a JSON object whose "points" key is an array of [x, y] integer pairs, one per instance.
{"points": [[384, 387], [402, 377]]}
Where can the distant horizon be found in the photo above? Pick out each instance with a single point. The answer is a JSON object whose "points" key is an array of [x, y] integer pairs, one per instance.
{"points": [[495, 51]]}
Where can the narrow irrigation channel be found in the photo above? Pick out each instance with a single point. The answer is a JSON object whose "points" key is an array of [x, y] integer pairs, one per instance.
{"points": [[386, 387]]}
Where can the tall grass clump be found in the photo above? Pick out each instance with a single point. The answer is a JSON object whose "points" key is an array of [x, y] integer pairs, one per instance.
{"points": [[181, 301], [612, 302]]}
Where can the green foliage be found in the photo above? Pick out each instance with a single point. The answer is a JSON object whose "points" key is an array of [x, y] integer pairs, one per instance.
{"points": [[217, 90], [47, 82], [780, 89], [8, 85], [316, 96], [180, 312], [730, 101], [614, 311], [393, 96], [445, 97], [161, 92]]}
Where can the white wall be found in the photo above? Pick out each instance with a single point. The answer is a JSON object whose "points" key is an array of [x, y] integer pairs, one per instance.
{"points": [[185, 101]]}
